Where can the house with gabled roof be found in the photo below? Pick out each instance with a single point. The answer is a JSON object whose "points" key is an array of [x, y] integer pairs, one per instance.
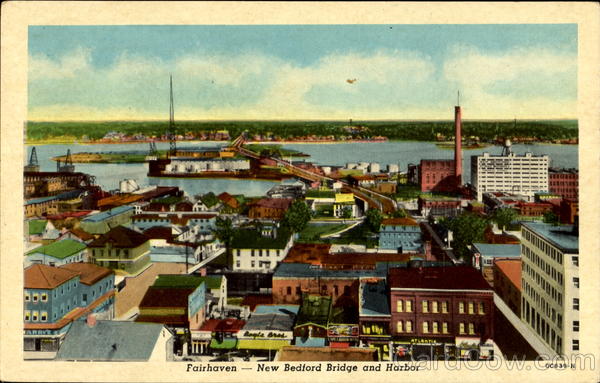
{"points": [[121, 249], [58, 253]]}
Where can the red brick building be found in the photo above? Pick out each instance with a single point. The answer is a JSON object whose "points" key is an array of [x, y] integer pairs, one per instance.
{"points": [[270, 208], [564, 182], [436, 206], [569, 209], [534, 209], [507, 283], [437, 176], [440, 306]]}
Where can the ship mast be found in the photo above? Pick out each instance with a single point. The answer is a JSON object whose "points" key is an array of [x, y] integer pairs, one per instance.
{"points": [[171, 132]]}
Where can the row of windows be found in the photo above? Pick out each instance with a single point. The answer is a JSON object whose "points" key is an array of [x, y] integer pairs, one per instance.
{"points": [[436, 307], [36, 316], [541, 263], [434, 327], [253, 264], [43, 297]]}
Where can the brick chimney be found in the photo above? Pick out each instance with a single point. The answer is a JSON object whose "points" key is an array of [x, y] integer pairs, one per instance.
{"points": [[458, 145], [91, 320]]}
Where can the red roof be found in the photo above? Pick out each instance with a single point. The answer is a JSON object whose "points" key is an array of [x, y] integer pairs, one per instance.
{"points": [[223, 325], [39, 276], [228, 200], [159, 232], [512, 269], [89, 273], [318, 254], [437, 278], [69, 214], [166, 297], [275, 203], [84, 235], [399, 222], [252, 300]]}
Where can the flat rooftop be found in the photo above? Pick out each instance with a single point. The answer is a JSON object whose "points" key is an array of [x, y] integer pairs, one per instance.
{"points": [[560, 236]]}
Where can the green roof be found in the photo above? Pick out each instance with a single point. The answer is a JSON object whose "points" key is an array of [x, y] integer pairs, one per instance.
{"points": [[210, 199], [253, 239], [178, 281], [37, 226], [168, 200], [320, 194], [226, 344], [213, 281], [61, 249], [315, 309]]}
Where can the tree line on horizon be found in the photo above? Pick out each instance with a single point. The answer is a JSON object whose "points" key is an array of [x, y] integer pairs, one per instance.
{"points": [[393, 130]]}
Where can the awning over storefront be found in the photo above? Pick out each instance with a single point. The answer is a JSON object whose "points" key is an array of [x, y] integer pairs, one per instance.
{"points": [[310, 342], [262, 344], [226, 344]]}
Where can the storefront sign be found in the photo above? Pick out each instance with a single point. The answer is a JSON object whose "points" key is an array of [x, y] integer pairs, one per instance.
{"points": [[342, 330], [264, 334]]}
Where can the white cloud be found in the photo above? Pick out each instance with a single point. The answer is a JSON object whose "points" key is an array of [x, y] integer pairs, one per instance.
{"points": [[389, 84]]}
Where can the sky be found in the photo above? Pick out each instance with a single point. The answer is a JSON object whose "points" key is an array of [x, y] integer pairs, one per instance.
{"points": [[324, 72]]}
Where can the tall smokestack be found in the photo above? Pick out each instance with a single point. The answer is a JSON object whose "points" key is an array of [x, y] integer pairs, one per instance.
{"points": [[458, 144]]}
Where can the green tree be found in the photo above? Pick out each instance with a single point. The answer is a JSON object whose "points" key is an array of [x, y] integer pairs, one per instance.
{"points": [[224, 232], [504, 216], [466, 228], [400, 213], [550, 217], [297, 216], [373, 219], [347, 212]]}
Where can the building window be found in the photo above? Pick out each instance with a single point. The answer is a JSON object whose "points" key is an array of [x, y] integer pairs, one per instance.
{"points": [[27, 297], [237, 263], [471, 309], [252, 263], [298, 290], [35, 298], [289, 290], [425, 327], [575, 260], [34, 316], [27, 315], [434, 306], [575, 344], [461, 328], [434, 327], [575, 325], [408, 326], [399, 326], [444, 307], [461, 307], [575, 303], [44, 316], [471, 328], [399, 306], [481, 308], [576, 282], [425, 306], [445, 327], [408, 306]]}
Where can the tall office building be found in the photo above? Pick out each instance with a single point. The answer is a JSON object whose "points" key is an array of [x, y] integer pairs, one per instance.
{"points": [[510, 173], [550, 285]]}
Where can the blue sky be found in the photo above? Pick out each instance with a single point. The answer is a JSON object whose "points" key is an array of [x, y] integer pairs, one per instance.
{"points": [[301, 72]]}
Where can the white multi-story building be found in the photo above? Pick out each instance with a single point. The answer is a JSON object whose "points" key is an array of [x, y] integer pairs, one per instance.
{"points": [[254, 251], [550, 285], [192, 165], [511, 173]]}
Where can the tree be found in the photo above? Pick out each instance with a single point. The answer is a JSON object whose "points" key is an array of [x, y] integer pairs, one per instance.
{"points": [[297, 216], [467, 228], [224, 232], [400, 213], [504, 216], [373, 219], [347, 212], [550, 217]]}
